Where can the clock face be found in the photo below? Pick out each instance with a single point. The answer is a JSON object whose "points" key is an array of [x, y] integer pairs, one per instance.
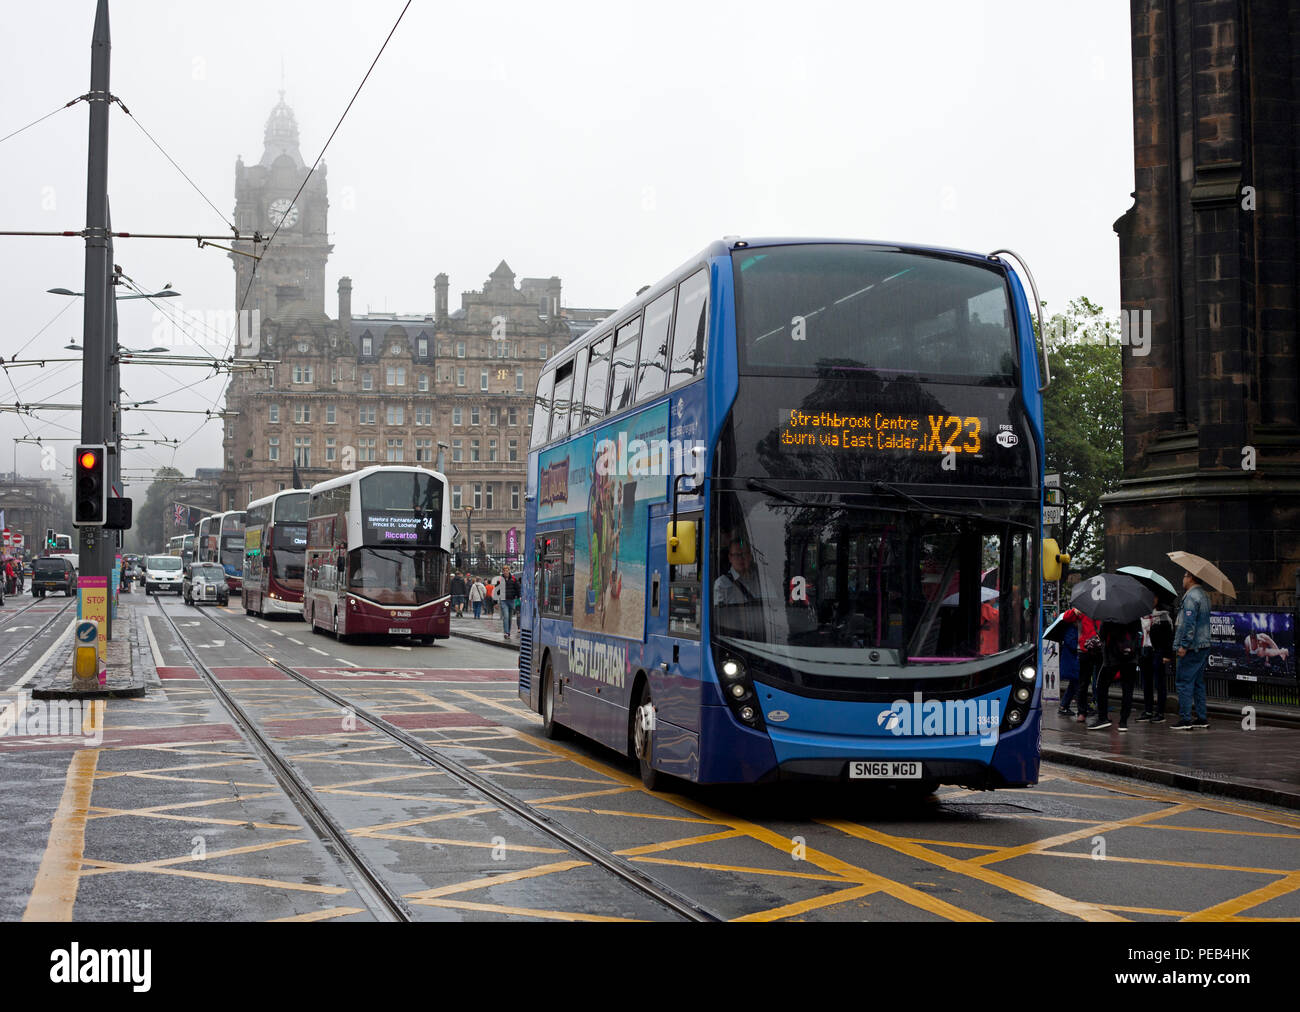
{"points": [[282, 215]]}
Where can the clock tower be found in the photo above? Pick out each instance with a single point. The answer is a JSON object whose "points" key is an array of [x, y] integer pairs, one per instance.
{"points": [[289, 281]]}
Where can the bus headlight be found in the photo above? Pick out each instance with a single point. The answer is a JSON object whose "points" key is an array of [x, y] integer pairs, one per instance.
{"points": [[738, 691], [746, 713], [732, 669], [1022, 694], [1014, 717], [1027, 673]]}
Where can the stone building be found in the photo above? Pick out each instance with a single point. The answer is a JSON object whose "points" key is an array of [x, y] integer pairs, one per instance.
{"points": [[1210, 249], [375, 388], [31, 506]]}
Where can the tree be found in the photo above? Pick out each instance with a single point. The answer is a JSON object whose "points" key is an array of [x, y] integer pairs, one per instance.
{"points": [[1084, 422], [146, 534]]}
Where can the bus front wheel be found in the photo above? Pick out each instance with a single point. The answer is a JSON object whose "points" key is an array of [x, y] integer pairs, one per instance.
{"points": [[643, 720], [550, 729]]}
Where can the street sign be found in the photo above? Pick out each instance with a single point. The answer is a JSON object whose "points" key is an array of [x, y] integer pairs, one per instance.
{"points": [[1052, 480], [1052, 515]]}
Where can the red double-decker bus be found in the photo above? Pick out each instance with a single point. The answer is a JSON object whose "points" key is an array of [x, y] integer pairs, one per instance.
{"points": [[378, 554], [275, 553]]}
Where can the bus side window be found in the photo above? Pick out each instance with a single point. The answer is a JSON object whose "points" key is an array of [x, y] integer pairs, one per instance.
{"points": [[691, 328], [684, 592]]}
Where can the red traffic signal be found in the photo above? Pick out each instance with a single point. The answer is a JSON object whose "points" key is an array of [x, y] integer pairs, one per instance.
{"points": [[90, 487]]}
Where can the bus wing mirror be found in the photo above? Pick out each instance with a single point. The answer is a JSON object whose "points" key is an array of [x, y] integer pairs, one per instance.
{"points": [[1054, 560], [681, 542]]}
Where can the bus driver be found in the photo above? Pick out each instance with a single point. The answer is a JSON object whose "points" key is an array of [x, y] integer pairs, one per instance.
{"points": [[738, 584]]}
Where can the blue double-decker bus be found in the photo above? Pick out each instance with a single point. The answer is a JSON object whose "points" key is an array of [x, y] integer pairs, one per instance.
{"points": [[783, 519]]}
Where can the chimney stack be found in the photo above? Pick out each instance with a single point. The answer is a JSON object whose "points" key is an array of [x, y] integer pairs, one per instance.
{"points": [[440, 298], [345, 307]]}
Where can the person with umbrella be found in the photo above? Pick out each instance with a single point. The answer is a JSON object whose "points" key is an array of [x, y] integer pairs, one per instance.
{"points": [[1157, 643], [1192, 636], [1118, 601]]}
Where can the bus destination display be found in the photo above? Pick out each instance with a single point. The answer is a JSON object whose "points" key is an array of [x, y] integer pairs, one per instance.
{"points": [[859, 432], [399, 527]]}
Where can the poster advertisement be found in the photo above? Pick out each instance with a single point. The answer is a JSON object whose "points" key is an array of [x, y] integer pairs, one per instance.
{"points": [[1250, 645], [606, 481], [1051, 649], [92, 606]]}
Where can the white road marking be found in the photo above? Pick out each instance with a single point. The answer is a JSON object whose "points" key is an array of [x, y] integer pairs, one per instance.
{"points": [[348, 663], [43, 658], [318, 650], [158, 661], [18, 705], [292, 640], [277, 632]]}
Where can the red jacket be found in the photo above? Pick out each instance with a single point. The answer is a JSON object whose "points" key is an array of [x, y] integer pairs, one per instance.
{"points": [[1087, 627]]}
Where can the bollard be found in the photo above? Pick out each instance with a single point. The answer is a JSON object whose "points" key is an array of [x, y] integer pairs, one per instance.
{"points": [[85, 657]]}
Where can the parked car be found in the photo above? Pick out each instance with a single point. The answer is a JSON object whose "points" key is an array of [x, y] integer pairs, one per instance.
{"points": [[205, 581], [162, 572], [53, 573]]}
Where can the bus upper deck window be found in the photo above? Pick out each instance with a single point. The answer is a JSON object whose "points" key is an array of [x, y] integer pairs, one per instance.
{"points": [[689, 333]]}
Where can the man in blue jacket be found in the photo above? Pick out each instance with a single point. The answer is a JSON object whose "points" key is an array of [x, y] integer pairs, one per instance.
{"points": [[1192, 643]]}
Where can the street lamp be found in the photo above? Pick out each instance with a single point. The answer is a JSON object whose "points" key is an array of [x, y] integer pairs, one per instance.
{"points": [[167, 293], [469, 526], [73, 346]]}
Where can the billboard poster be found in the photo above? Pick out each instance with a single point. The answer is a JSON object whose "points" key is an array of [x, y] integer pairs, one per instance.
{"points": [[1250, 645], [605, 481]]}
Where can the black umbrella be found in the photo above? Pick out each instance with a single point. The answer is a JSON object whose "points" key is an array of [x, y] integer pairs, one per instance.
{"points": [[1113, 597]]}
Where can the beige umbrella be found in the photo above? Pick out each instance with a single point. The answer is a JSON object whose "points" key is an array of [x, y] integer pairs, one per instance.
{"points": [[1205, 571]]}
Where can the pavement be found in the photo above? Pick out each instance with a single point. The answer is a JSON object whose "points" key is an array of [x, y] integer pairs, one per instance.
{"points": [[127, 678], [1252, 760]]}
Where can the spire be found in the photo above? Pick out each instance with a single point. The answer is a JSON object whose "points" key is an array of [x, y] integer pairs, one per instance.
{"points": [[281, 136]]}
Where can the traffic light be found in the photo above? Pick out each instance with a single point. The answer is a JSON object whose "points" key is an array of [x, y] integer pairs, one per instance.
{"points": [[90, 486], [49, 538]]}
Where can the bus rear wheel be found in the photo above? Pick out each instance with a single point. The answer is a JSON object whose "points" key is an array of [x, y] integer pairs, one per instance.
{"points": [[550, 729], [642, 740]]}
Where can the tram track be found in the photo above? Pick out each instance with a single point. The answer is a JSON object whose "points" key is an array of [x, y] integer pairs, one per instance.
{"points": [[575, 842], [52, 620], [378, 896]]}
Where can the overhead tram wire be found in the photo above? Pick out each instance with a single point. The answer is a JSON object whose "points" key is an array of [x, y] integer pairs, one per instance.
{"points": [[267, 248], [42, 119], [132, 117], [47, 326]]}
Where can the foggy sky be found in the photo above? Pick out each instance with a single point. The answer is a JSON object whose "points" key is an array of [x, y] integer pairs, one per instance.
{"points": [[603, 143]]}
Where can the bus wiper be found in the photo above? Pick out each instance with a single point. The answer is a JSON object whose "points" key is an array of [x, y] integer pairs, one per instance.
{"points": [[881, 486], [776, 493], [761, 486]]}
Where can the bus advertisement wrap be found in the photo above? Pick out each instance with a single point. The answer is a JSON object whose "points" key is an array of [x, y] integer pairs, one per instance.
{"points": [[1249, 646], [606, 480]]}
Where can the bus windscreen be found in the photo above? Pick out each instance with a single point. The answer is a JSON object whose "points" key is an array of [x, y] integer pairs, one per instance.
{"points": [[829, 308]]}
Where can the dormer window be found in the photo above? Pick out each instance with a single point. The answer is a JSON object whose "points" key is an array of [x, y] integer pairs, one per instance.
{"points": [[367, 345]]}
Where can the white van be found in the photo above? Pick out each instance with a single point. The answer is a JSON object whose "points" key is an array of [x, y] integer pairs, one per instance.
{"points": [[162, 572]]}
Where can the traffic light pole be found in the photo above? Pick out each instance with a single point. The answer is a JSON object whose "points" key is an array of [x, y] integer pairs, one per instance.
{"points": [[94, 547]]}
